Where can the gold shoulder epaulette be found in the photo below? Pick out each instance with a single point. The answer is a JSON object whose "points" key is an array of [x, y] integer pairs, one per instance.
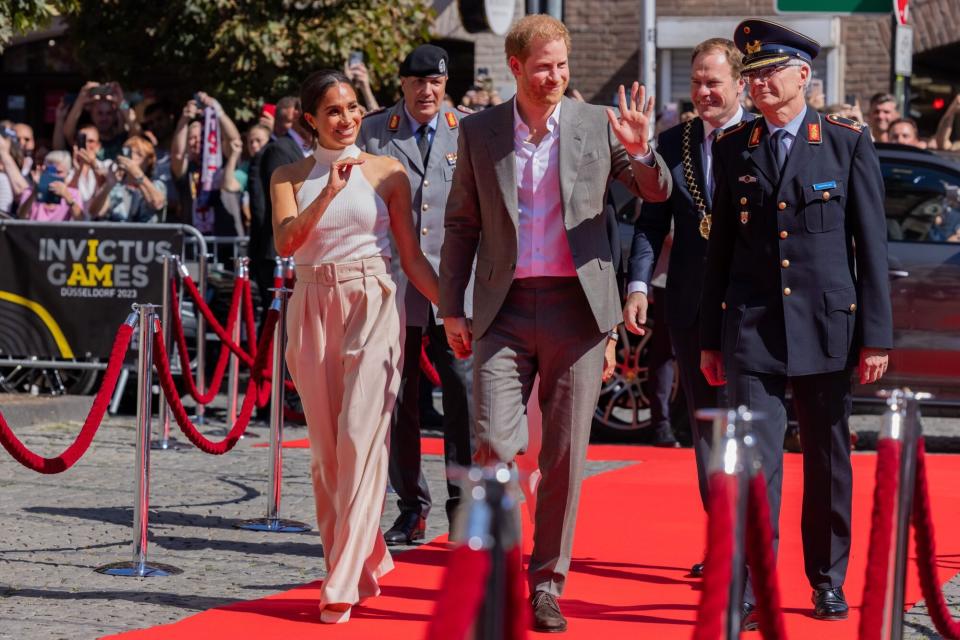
{"points": [[723, 134], [845, 122]]}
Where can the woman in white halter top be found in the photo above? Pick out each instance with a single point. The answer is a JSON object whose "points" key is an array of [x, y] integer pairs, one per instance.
{"points": [[333, 212]]}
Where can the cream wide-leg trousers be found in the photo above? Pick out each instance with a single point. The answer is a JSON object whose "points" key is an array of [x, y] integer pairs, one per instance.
{"points": [[343, 353]]}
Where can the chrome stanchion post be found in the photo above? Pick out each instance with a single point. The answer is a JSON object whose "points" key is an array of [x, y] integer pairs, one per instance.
{"points": [[138, 566], [166, 442], [902, 422], [732, 455], [233, 384], [499, 490], [202, 335], [273, 522]]}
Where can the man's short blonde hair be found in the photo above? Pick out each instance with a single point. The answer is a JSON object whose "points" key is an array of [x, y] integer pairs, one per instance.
{"points": [[724, 46], [530, 28]]}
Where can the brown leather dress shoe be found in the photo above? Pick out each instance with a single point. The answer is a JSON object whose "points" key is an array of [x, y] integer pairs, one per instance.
{"points": [[407, 528], [546, 613]]}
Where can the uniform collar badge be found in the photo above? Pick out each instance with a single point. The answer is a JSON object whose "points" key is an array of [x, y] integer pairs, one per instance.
{"points": [[755, 134], [451, 119], [394, 123], [813, 133], [452, 159]]}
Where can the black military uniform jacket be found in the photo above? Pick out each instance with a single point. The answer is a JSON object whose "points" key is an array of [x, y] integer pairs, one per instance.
{"points": [[689, 252], [796, 277]]}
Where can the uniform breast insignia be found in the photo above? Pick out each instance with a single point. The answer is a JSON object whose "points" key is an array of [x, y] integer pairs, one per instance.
{"points": [[394, 123], [747, 179], [451, 120], [744, 217], [823, 186], [813, 133], [452, 159], [755, 134], [845, 122]]}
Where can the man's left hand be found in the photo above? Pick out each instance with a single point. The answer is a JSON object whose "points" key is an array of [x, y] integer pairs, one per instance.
{"points": [[632, 128], [609, 359], [873, 364]]}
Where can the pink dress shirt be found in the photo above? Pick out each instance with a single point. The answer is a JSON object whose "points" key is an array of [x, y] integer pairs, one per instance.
{"points": [[543, 249]]}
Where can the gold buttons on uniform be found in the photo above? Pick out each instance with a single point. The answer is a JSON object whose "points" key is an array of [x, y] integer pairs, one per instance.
{"points": [[782, 206], [743, 200], [786, 291], [783, 235], [425, 207], [424, 231], [723, 305], [826, 195], [784, 263], [853, 307]]}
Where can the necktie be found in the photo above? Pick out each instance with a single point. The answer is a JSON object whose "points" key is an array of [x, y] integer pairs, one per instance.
{"points": [[708, 161], [779, 148], [423, 142]]}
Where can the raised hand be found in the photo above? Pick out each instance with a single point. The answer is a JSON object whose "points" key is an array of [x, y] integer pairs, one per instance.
{"points": [[632, 128], [340, 173]]}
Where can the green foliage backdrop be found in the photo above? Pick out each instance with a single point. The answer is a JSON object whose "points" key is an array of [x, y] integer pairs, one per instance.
{"points": [[241, 51]]}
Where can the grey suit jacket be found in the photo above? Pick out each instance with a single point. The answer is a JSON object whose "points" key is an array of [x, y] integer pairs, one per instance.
{"points": [[482, 212], [388, 133]]}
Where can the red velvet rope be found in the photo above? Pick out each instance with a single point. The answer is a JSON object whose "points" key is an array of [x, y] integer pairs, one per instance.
{"points": [[927, 552], [716, 580], [461, 593], [180, 414], [881, 534], [186, 373], [98, 409], [249, 320], [218, 329], [426, 366], [763, 564]]}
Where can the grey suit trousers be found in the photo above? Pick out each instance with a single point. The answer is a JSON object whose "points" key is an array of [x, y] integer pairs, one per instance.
{"points": [[545, 326]]}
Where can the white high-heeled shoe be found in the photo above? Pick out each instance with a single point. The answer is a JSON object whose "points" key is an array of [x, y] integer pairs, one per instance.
{"points": [[333, 616]]}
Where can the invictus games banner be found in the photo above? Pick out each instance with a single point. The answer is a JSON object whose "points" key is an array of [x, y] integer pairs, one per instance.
{"points": [[66, 287]]}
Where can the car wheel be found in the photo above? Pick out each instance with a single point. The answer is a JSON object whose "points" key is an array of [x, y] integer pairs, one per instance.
{"points": [[52, 382], [623, 410]]}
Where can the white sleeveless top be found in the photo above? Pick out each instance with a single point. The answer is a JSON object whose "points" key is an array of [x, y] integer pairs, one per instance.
{"points": [[356, 224]]}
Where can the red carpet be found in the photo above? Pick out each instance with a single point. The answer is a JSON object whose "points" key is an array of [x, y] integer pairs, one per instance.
{"points": [[430, 446], [639, 530]]}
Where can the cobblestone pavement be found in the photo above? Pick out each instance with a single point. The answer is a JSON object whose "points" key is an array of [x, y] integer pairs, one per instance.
{"points": [[57, 529]]}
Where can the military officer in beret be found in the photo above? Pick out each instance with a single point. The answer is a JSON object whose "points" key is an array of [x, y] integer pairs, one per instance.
{"points": [[421, 132], [796, 289]]}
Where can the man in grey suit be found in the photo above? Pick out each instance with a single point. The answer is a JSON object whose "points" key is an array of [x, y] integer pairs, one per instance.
{"points": [[528, 202], [421, 132]]}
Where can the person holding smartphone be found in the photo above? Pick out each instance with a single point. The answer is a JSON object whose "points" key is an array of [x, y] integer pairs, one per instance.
{"points": [[52, 200], [129, 194]]}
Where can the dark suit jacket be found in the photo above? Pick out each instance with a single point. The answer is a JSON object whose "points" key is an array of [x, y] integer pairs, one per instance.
{"points": [[283, 150], [689, 252], [796, 276]]}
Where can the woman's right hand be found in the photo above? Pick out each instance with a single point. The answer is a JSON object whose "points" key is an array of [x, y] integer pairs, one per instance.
{"points": [[340, 174]]}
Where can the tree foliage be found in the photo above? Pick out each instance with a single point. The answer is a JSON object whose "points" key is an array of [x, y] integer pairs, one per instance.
{"points": [[244, 52], [18, 17]]}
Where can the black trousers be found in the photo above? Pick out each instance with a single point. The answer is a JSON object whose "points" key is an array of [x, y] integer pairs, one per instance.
{"points": [[661, 367], [456, 379], [823, 404], [699, 395]]}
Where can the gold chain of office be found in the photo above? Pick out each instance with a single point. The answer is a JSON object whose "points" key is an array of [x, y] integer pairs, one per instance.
{"points": [[691, 181]]}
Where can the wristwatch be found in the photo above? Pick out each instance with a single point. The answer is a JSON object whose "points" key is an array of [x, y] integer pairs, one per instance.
{"points": [[139, 181]]}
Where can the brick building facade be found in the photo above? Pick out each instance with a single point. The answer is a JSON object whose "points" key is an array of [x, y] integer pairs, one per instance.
{"points": [[855, 59]]}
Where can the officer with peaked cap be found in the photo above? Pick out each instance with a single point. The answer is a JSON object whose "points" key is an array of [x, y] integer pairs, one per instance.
{"points": [[796, 289], [421, 132]]}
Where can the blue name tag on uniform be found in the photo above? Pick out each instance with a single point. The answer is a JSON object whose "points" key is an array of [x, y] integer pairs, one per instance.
{"points": [[820, 186]]}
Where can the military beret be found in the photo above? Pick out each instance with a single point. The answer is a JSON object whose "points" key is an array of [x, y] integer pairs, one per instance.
{"points": [[766, 43], [425, 61]]}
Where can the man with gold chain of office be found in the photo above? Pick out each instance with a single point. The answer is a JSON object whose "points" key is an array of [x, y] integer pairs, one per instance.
{"points": [[796, 289]]}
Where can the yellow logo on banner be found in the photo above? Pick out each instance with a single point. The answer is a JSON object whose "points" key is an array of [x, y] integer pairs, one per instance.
{"points": [[45, 317]]}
